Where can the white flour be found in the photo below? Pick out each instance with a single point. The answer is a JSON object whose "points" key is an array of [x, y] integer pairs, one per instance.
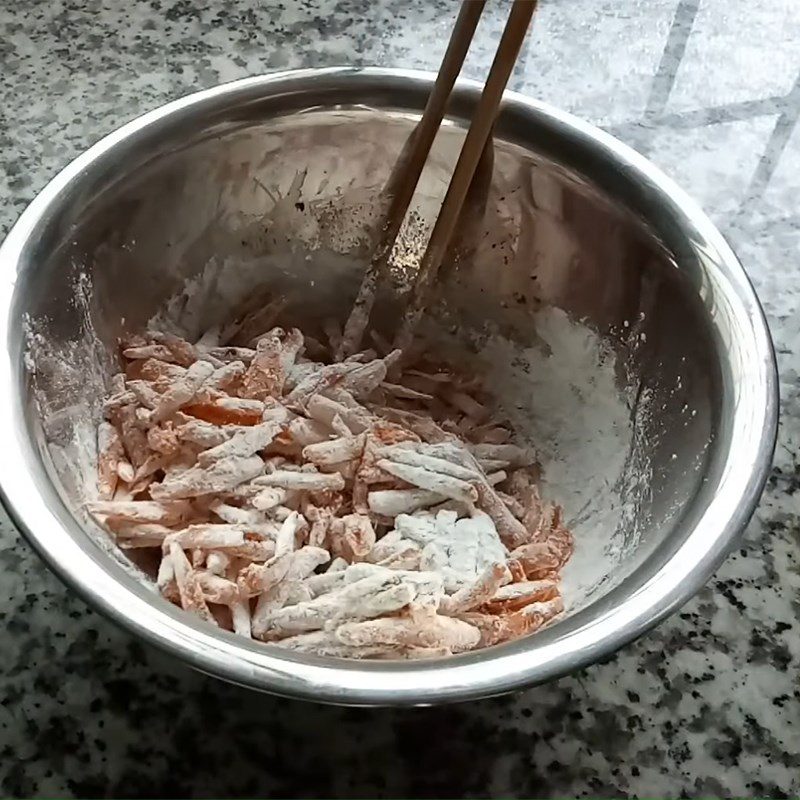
{"points": [[69, 380], [562, 396]]}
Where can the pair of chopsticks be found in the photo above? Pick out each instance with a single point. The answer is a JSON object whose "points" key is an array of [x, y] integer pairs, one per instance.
{"points": [[405, 176]]}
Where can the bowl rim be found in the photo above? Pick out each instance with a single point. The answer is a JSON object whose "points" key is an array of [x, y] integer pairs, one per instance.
{"points": [[583, 637]]}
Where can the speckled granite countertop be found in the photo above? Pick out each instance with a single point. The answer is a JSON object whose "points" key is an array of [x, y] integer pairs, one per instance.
{"points": [[707, 704]]}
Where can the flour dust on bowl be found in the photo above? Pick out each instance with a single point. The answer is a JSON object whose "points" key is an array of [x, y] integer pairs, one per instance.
{"points": [[615, 326]]}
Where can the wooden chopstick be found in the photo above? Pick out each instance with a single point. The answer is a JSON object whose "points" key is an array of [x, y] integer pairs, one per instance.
{"points": [[474, 143], [406, 173]]}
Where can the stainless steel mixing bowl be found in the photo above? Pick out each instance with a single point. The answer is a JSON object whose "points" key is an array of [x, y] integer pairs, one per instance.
{"points": [[279, 178]]}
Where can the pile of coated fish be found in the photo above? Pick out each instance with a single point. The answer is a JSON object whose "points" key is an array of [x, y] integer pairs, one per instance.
{"points": [[372, 507]]}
